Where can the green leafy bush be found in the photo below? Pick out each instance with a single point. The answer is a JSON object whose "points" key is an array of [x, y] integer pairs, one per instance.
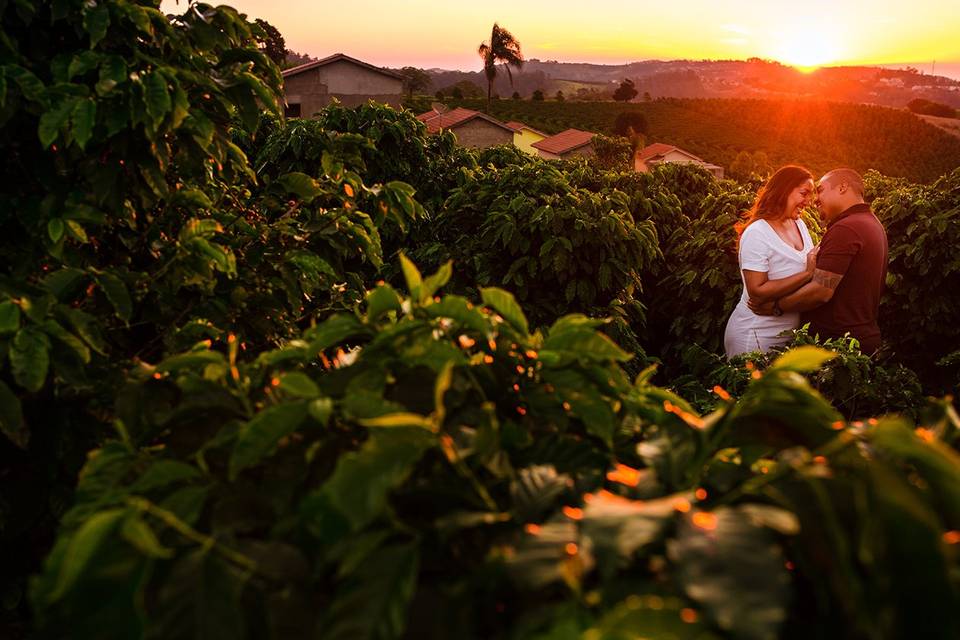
{"points": [[918, 315], [857, 385], [426, 450], [557, 246]]}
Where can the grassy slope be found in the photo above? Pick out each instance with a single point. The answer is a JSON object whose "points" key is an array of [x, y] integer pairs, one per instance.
{"points": [[819, 135]]}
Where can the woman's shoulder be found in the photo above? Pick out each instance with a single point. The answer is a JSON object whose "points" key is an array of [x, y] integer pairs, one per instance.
{"points": [[756, 231]]}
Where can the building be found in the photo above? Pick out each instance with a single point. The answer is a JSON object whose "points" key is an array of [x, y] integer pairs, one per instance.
{"points": [[524, 136], [472, 128], [658, 153], [310, 87], [566, 144]]}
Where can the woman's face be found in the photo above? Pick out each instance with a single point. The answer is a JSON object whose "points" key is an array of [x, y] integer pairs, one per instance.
{"points": [[798, 199]]}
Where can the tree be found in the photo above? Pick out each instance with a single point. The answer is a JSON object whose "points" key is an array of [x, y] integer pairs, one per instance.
{"points": [[930, 108], [630, 123], [560, 97], [469, 89], [271, 42], [646, 96], [503, 48], [516, 95], [537, 95], [415, 80], [439, 95], [294, 59], [457, 93], [625, 92]]}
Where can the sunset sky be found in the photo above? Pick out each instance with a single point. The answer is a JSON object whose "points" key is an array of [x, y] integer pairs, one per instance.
{"points": [[446, 34]]}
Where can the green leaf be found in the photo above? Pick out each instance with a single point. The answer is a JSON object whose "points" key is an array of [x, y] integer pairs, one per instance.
{"points": [[87, 327], [52, 121], [381, 300], [156, 95], [30, 358], [259, 437], [76, 231], [96, 19], [55, 228], [506, 305], [93, 534], [802, 359], [587, 344], [139, 534], [735, 570], [82, 120], [9, 316], [460, 310], [30, 85], [433, 283], [63, 281], [11, 417], [373, 602], [399, 420], [412, 276], [333, 331], [320, 410], [190, 359], [163, 473], [187, 503], [359, 485], [200, 598], [299, 385], [116, 292], [72, 342], [937, 463], [301, 185], [113, 71]]}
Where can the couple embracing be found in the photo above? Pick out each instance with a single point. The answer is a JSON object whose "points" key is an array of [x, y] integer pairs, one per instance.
{"points": [[787, 281]]}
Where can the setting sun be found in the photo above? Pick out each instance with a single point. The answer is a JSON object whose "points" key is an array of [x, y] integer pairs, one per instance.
{"points": [[806, 46]]}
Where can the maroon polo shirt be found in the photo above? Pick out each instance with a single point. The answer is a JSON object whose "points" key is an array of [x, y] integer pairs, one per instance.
{"points": [[855, 245]]}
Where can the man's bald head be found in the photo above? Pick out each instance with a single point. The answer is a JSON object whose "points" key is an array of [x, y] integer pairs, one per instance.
{"points": [[837, 191], [849, 177]]}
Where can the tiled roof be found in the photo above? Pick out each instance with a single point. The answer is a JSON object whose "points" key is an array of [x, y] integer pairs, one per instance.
{"points": [[658, 149], [436, 121], [516, 125], [336, 58], [564, 141]]}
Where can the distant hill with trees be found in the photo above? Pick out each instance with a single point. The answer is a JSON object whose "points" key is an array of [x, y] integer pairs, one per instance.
{"points": [[753, 78], [820, 135]]}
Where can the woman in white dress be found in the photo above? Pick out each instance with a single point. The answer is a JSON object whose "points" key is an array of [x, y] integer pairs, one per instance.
{"points": [[777, 257]]}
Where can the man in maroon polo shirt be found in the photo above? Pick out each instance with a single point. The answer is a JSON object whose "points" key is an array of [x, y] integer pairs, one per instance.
{"points": [[844, 294]]}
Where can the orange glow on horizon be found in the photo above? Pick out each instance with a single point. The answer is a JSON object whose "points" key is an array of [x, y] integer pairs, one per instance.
{"points": [[430, 35]]}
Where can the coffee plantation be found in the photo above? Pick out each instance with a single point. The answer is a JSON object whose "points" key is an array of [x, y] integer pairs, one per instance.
{"points": [[337, 378]]}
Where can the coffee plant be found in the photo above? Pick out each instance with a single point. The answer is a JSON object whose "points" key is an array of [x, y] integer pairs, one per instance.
{"points": [[233, 406]]}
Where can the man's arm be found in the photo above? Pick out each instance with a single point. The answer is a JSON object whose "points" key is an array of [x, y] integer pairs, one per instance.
{"points": [[818, 291]]}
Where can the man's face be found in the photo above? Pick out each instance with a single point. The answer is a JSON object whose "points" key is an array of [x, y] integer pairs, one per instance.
{"points": [[828, 198]]}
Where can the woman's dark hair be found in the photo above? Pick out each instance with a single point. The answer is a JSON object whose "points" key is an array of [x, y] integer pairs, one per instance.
{"points": [[772, 197]]}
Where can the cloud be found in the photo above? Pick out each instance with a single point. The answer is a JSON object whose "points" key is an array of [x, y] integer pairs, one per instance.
{"points": [[735, 28], [739, 42]]}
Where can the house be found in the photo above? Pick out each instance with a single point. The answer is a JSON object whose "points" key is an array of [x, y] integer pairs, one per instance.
{"points": [[566, 144], [658, 153], [472, 128], [524, 136], [310, 87]]}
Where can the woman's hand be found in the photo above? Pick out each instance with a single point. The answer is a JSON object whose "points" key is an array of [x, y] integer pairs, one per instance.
{"points": [[812, 259]]}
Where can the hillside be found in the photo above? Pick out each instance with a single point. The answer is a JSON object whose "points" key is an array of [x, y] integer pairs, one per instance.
{"points": [[753, 78], [820, 135]]}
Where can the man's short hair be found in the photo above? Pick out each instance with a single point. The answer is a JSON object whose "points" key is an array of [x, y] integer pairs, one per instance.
{"points": [[851, 177]]}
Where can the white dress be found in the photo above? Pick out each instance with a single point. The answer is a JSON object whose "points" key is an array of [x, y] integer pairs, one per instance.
{"points": [[761, 249]]}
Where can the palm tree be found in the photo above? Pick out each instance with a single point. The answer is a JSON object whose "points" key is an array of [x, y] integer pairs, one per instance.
{"points": [[503, 48]]}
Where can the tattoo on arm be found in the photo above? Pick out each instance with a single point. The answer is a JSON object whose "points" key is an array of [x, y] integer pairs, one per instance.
{"points": [[826, 279]]}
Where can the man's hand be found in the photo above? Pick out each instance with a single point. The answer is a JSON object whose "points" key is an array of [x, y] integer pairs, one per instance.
{"points": [[761, 308], [812, 259]]}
